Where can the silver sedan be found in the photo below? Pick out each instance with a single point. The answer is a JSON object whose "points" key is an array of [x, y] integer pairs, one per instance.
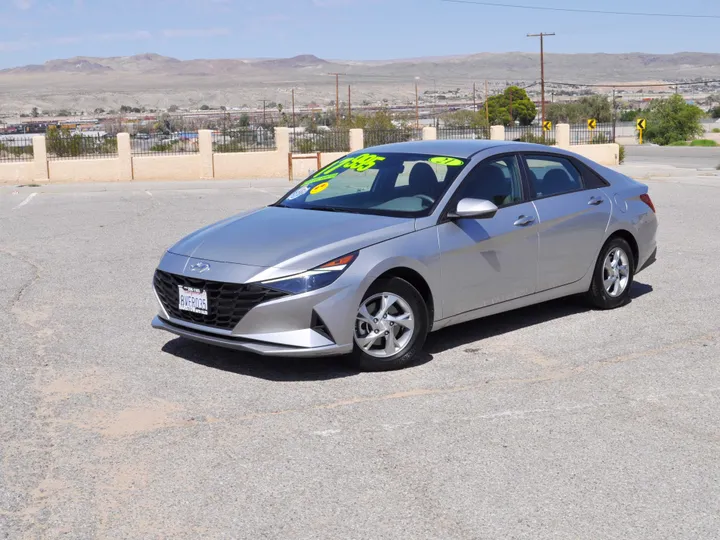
{"points": [[377, 249]]}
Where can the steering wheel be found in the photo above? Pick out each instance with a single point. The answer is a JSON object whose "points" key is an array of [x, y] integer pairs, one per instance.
{"points": [[426, 198]]}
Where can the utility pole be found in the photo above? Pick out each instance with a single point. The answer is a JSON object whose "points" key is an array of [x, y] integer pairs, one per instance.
{"points": [[614, 116], [487, 111], [417, 106], [512, 120], [293, 108], [337, 98], [541, 35], [474, 100], [264, 103], [349, 105]]}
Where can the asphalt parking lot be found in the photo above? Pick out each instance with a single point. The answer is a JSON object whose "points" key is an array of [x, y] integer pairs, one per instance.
{"points": [[550, 422]]}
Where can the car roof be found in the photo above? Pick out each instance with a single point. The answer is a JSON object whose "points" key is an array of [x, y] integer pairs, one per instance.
{"points": [[455, 148]]}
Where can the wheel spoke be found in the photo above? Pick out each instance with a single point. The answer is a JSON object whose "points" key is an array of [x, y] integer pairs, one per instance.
{"points": [[390, 344], [387, 302], [367, 341], [403, 320], [609, 283], [608, 266], [364, 315], [624, 270], [616, 258]]}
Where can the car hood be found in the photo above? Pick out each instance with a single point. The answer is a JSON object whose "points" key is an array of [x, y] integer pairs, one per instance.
{"points": [[289, 238]]}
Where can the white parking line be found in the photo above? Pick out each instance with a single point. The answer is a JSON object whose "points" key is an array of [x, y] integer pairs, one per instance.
{"points": [[27, 200]]}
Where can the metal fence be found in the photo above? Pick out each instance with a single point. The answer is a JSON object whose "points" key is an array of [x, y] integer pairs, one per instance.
{"points": [[244, 140], [463, 133], [16, 148], [335, 140], [375, 137], [66, 145], [530, 134], [165, 145], [602, 134]]}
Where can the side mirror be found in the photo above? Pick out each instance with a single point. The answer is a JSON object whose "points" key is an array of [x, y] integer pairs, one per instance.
{"points": [[474, 209]]}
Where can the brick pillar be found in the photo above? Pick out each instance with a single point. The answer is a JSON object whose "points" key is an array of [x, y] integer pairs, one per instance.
{"points": [[497, 133], [357, 139], [429, 134], [207, 169], [562, 135], [125, 156], [41, 165]]}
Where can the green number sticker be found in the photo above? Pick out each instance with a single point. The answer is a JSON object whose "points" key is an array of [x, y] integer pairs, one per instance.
{"points": [[360, 163], [448, 161]]}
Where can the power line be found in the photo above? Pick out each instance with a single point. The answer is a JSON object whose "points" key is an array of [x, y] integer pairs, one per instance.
{"points": [[591, 11], [631, 85]]}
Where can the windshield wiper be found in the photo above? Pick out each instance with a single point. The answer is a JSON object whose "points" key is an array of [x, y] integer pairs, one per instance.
{"points": [[332, 209]]}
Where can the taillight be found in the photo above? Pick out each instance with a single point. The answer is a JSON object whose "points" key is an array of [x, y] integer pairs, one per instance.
{"points": [[647, 200]]}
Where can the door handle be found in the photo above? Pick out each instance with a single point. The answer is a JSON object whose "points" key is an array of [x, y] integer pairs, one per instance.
{"points": [[594, 201], [522, 221]]}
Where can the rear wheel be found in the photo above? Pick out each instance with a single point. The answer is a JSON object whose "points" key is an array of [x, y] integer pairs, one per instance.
{"points": [[613, 275], [390, 326]]}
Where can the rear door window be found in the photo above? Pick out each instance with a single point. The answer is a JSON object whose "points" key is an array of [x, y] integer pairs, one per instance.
{"points": [[553, 175]]}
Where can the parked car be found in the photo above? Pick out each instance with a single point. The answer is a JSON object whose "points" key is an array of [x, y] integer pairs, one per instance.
{"points": [[374, 251]]}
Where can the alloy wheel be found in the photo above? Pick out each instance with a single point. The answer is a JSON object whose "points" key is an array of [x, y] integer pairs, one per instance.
{"points": [[384, 325], [616, 272]]}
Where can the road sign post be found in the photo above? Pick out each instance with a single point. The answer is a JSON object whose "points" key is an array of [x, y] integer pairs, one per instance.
{"points": [[591, 124], [641, 125]]}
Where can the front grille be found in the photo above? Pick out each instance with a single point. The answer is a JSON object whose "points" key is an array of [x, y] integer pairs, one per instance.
{"points": [[227, 302]]}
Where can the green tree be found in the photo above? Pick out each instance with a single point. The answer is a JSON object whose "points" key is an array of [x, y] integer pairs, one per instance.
{"points": [[715, 112], [34, 113], [671, 120], [515, 99], [173, 108], [99, 110], [629, 115], [465, 119], [597, 107], [205, 107]]}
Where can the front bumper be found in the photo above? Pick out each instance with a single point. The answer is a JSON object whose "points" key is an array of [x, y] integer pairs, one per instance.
{"points": [[229, 341]]}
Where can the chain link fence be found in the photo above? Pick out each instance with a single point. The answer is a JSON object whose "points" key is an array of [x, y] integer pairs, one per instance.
{"points": [[16, 148]]}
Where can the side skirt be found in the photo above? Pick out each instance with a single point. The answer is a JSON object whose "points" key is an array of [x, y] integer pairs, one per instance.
{"points": [[536, 298]]}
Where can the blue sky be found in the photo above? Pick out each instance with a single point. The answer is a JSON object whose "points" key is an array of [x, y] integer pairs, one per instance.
{"points": [[34, 31]]}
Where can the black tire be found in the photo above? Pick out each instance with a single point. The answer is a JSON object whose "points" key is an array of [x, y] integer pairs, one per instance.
{"points": [[597, 295], [399, 287]]}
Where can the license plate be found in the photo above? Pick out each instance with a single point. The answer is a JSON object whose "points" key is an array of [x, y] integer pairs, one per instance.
{"points": [[193, 300]]}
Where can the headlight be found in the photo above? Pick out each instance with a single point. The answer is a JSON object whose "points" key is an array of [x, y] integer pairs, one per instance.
{"points": [[317, 278]]}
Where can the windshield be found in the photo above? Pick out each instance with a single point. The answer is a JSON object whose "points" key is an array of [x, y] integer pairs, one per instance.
{"points": [[393, 184]]}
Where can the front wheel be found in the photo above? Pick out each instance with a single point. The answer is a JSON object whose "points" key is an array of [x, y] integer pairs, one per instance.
{"points": [[390, 326], [613, 276]]}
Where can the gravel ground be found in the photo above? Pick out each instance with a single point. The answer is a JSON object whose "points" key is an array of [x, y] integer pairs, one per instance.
{"points": [[549, 422]]}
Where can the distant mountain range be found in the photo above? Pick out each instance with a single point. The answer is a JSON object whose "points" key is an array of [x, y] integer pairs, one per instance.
{"points": [[152, 80]]}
